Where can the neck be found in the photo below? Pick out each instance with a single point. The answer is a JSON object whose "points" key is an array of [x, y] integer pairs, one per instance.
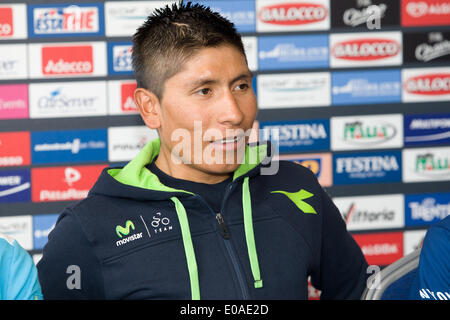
{"points": [[187, 172]]}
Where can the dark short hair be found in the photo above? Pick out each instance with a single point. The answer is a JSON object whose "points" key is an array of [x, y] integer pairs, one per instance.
{"points": [[171, 35]]}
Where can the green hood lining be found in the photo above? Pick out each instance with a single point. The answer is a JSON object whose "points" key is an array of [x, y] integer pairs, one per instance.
{"points": [[136, 174]]}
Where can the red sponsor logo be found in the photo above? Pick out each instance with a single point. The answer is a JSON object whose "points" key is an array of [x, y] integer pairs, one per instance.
{"points": [[293, 13], [381, 248], [366, 49], [70, 60], [425, 12], [15, 149], [429, 84], [127, 97], [63, 183], [6, 22]]}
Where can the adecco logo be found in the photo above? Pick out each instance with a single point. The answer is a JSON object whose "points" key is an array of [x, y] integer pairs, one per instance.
{"points": [[67, 60], [298, 15], [359, 49], [6, 22]]}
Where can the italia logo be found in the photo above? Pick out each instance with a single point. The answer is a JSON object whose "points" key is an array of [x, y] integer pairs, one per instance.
{"points": [[429, 84], [359, 133], [431, 164], [366, 49], [293, 13], [67, 60]]}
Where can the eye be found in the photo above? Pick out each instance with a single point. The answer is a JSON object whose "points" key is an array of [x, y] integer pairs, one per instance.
{"points": [[242, 86], [204, 91]]}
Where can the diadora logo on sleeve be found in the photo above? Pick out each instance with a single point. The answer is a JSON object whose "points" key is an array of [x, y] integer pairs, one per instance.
{"points": [[298, 135], [352, 168], [427, 129], [426, 209], [65, 20], [367, 132], [119, 57], [15, 186], [366, 49], [428, 164], [295, 15], [298, 199], [67, 59]]}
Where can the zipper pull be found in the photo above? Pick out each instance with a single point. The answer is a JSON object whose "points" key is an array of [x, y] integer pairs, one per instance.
{"points": [[223, 226]]}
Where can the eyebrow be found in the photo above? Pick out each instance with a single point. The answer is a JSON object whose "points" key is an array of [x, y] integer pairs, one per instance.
{"points": [[203, 82]]}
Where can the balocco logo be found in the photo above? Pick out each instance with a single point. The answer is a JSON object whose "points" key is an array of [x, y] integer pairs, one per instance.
{"points": [[366, 49], [293, 13], [429, 84], [67, 60]]}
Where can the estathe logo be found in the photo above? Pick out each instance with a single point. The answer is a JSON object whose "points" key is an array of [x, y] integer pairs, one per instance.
{"points": [[366, 49], [76, 60], [15, 148], [381, 248]]}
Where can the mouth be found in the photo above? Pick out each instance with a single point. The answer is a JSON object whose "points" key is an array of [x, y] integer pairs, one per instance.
{"points": [[230, 143]]}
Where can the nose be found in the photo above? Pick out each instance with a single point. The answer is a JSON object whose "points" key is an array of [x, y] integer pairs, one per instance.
{"points": [[230, 113]]}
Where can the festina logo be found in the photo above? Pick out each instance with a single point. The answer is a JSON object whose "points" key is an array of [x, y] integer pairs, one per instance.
{"points": [[293, 13], [295, 132], [429, 163], [366, 49], [429, 84], [367, 164], [357, 132]]}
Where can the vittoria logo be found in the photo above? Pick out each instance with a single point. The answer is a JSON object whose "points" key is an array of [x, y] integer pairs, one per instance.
{"points": [[429, 84], [76, 60], [293, 13], [366, 49]]}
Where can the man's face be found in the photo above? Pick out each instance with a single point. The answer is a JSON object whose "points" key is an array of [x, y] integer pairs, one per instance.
{"points": [[206, 112]]}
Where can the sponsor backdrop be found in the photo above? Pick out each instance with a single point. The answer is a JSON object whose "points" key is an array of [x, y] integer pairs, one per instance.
{"points": [[358, 91]]}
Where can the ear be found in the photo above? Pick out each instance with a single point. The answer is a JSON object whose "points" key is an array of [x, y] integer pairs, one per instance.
{"points": [[149, 107]]}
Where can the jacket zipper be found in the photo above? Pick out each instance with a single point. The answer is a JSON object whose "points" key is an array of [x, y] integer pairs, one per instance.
{"points": [[226, 239]]}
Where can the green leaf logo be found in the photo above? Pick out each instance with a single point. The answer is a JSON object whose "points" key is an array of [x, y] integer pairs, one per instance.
{"points": [[124, 231], [298, 197]]}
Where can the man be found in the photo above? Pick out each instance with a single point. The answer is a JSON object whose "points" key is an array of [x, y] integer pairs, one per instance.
{"points": [[18, 275], [198, 214], [432, 281]]}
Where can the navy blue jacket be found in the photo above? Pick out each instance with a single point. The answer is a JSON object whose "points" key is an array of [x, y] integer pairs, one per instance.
{"points": [[134, 238]]}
